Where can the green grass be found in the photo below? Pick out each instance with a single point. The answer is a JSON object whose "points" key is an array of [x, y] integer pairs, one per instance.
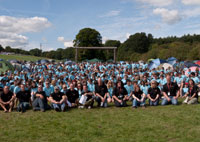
{"points": [[153, 124], [21, 57]]}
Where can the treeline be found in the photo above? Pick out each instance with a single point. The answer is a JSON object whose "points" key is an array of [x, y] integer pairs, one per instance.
{"points": [[140, 46]]}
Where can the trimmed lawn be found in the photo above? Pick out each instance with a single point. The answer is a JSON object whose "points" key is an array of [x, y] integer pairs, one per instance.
{"points": [[153, 124], [21, 57]]}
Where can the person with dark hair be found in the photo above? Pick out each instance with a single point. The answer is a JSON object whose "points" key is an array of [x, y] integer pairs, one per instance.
{"points": [[138, 97], [170, 92], [7, 99], [24, 97], [153, 94], [57, 99], [40, 100], [89, 98], [192, 94], [120, 95], [101, 93]]}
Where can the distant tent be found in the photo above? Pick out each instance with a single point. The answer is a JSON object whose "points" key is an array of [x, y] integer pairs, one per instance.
{"points": [[68, 62], [192, 69], [155, 63], [172, 60], [197, 62], [150, 60], [165, 66], [44, 61], [4, 66], [110, 60], [189, 64], [94, 60], [14, 61]]}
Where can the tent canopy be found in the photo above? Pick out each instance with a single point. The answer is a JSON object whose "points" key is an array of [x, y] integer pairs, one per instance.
{"points": [[4, 66]]}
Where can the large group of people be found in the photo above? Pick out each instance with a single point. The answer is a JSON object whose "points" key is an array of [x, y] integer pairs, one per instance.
{"points": [[60, 87]]}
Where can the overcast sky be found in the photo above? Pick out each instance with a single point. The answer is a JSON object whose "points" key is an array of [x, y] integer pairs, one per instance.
{"points": [[54, 23]]}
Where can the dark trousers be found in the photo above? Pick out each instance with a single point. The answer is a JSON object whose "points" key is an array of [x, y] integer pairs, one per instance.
{"points": [[123, 104], [23, 106], [39, 104]]}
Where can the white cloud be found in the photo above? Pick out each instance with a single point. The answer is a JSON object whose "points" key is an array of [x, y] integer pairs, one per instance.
{"points": [[111, 13], [12, 29], [168, 16], [192, 12], [67, 43], [156, 3], [61, 38], [191, 2]]}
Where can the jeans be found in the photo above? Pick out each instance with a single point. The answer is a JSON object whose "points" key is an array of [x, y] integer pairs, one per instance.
{"points": [[100, 103], [39, 104], [154, 103], [136, 103], [166, 102], [23, 106], [58, 106]]}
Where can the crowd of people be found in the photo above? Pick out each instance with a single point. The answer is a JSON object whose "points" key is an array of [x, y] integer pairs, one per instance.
{"points": [[61, 87]]}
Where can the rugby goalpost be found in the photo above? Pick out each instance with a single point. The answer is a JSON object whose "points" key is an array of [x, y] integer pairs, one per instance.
{"points": [[96, 48]]}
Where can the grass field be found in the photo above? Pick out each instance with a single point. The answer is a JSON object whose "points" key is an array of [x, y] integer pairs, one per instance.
{"points": [[21, 57], [154, 124]]}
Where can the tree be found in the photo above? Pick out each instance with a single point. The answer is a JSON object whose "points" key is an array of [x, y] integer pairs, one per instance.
{"points": [[1, 48], [35, 52], [138, 43], [8, 49], [111, 43], [88, 37]]}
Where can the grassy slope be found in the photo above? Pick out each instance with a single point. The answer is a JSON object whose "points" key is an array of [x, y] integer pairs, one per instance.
{"points": [[168, 123], [21, 57]]}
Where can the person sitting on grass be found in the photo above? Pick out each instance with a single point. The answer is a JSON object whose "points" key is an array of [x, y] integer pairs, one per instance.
{"points": [[120, 95], [48, 89], [101, 93], [58, 100], [72, 96], [40, 100], [170, 92], [7, 99], [90, 100], [153, 94], [129, 88], [192, 94], [138, 97], [24, 97]]}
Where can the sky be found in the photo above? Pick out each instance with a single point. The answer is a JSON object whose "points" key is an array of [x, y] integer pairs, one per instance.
{"points": [[27, 24]]}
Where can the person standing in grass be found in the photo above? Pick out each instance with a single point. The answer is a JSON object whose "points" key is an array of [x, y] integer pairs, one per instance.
{"points": [[138, 97], [7, 99], [170, 92], [153, 94], [192, 94], [24, 97], [120, 95], [58, 99]]}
